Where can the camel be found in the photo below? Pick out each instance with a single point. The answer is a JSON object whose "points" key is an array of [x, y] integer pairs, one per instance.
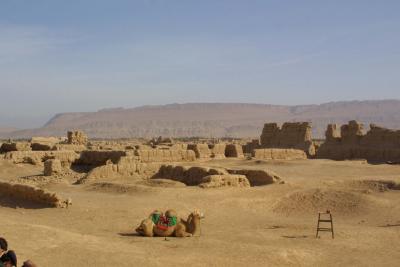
{"points": [[158, 224]]}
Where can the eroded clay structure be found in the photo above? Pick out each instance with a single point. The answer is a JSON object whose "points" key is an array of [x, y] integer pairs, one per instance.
{"points": [[378, 144], [295, 135]]}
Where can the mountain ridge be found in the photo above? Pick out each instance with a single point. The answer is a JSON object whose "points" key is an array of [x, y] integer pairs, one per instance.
{"points": [[212, 119]]}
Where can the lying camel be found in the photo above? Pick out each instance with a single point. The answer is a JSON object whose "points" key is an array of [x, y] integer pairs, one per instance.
{"points": [[169, 224]]}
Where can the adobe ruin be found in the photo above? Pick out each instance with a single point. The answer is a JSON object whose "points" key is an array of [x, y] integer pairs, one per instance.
{"points": [[294, 135], [377, 145]]}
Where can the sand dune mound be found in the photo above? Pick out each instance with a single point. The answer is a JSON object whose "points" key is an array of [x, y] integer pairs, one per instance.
{"points": [[315, 200], [375, 185]]}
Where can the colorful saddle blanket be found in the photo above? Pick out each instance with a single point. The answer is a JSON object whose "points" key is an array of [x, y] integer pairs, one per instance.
{"points": [[163, 222]]}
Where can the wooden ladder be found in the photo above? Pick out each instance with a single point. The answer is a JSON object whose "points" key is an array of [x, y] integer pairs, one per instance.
{"points": [[323, 218]]}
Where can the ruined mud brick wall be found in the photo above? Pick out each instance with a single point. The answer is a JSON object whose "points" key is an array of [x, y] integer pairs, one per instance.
{"points": [[332, 134], [39, 157], [202, 151], [141, 162], [41, 147], [99, 157], [218, 151], [18, 146], [180, 146], [165, 155], [279, 154], [295, 135], [77, 138], [249, 147], [127, 166], [44, 143], [258, 177], [31, 194], [195, 175], [76, 148], [186, 174], [378, 144], [234, 151], [52, 167], [161, 141]]}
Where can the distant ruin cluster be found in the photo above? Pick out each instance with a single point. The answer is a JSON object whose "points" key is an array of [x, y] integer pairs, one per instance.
{"points": [[293, 140], [341, 142], [165, 158], [349, 142]]}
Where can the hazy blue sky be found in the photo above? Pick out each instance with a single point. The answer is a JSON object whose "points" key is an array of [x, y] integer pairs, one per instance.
{"points": [[84, 55]]}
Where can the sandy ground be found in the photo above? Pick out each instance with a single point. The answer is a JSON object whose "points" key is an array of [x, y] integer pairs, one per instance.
{"points": [[270, 225]]}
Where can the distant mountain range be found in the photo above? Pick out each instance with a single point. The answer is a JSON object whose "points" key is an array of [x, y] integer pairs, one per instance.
{"points": [[212, 119]]}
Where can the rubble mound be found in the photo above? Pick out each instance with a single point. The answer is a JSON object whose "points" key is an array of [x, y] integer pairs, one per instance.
{"points": [[227, 180], [196, 175], [316, 200], [374, 185], [31, 194]]}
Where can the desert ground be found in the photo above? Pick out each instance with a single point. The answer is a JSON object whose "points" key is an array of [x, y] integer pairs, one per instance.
{"points": [[271, 225]]}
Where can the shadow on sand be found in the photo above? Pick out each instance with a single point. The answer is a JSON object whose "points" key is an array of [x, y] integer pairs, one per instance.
{"points": [[14, 203]]}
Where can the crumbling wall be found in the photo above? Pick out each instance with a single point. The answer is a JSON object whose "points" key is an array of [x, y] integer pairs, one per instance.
{"points": [[161, 141], [77, 138], [218, 151], [114, 164], [18, 146], [39, 157], [249, 147], [352, 133], [195, 175], [332, 134], [76, 148], [234, 151], [279, 154], [99, 157], [52, 167], [43, 143], [201, 151], [179, 146], [377, 145], [42, 146], [31, 194], [258, 177], [187, 175], [128, 166], [295, 135], [165, 155]]}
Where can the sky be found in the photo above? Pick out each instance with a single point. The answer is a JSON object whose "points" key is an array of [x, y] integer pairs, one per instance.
{"points": [[84, 55]]}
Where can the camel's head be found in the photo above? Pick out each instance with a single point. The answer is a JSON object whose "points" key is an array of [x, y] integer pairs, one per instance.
{"points": [[197, 214]]}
